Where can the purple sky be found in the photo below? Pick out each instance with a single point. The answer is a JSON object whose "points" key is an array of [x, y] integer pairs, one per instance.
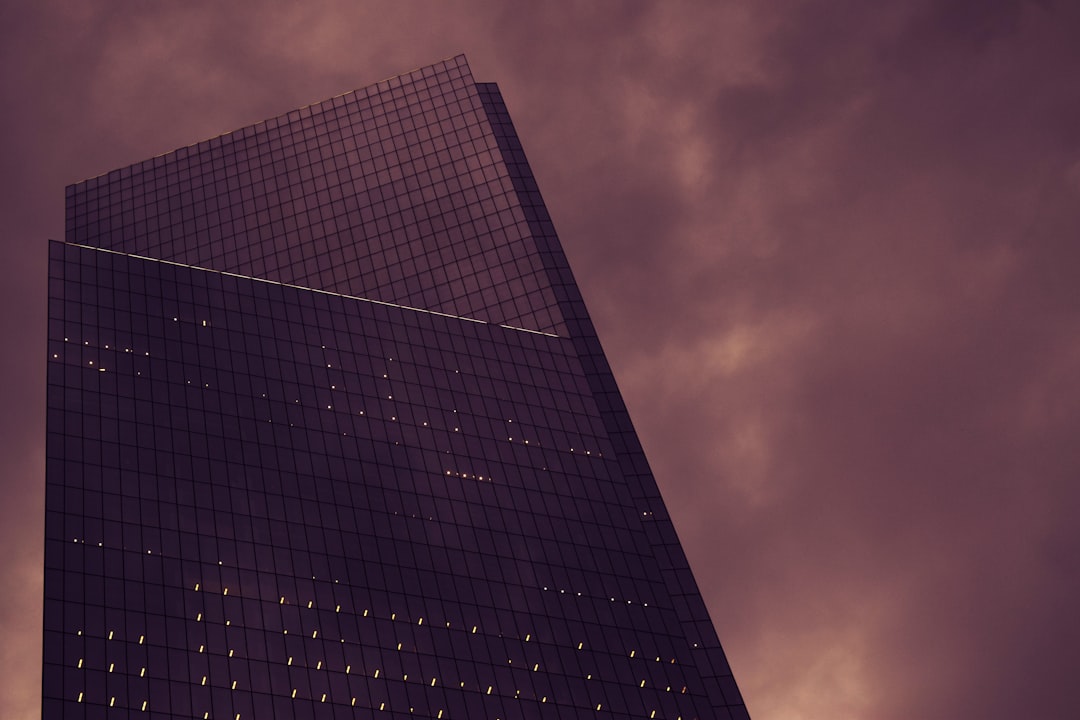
{"points": [[831, 249]]}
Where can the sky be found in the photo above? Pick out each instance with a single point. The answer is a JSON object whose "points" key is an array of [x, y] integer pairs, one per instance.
{"points": [[831, 249]]}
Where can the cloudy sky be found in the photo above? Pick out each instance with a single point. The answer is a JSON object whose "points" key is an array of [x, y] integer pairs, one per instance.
{"points": [[831, 248]]}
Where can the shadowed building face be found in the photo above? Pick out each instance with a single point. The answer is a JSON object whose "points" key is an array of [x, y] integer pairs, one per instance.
{"points": [[330, 432]]}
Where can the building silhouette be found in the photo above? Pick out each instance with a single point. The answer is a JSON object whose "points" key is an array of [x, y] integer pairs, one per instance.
{"points": [[330, 435]]}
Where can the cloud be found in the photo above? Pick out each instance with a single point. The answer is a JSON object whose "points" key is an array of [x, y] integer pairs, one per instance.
{"points": [[830, 248]]}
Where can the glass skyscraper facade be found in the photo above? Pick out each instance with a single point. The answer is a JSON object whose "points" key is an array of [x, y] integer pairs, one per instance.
{"points": [[330, 435]]}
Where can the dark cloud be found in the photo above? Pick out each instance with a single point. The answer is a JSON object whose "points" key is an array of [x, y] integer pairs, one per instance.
{"points": [[831, 251]]}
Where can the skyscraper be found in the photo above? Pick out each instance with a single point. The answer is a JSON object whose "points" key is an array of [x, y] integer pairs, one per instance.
{"points": [[330, 434]]}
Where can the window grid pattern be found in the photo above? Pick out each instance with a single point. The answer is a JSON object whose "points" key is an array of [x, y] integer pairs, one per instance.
{"points": [[265, 499], [330, 434], [395, 192]]}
